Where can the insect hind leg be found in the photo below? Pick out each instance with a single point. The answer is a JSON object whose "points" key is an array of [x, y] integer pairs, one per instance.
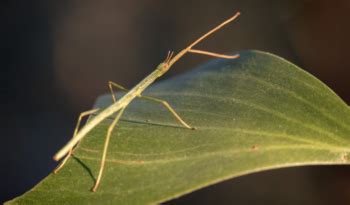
{"points": [[105, 148], [81, 116]]}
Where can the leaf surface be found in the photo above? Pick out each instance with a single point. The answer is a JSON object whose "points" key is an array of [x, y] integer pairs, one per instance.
{"points": [[255, 113]]}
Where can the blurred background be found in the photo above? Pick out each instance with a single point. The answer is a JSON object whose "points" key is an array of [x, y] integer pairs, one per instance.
{"points": [[57, 57]]}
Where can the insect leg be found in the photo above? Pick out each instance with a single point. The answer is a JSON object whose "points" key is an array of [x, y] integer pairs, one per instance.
{"points": [[167, 106], [83, 114], [111, 84], [217, 55], [105, 148], [163, 102]]}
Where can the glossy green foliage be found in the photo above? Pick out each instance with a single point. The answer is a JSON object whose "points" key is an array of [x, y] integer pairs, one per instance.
{"points": [[255, 113]]}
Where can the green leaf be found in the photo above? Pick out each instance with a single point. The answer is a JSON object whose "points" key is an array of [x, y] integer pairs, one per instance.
{"points": [[255, 113]]}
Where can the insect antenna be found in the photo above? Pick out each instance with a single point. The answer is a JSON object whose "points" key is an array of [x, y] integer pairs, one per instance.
{"points": [[167, 57], [170, 56]]}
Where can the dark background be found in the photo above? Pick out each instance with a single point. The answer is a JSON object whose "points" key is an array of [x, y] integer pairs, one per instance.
{"points": [[57, 57]]}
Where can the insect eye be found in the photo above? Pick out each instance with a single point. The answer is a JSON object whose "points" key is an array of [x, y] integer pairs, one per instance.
{"points": [[166, 66]]}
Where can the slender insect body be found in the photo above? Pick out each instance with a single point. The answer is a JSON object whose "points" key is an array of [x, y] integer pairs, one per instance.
{"points": [[120, 105], [141, 86], [87, 128], [115, 107]]}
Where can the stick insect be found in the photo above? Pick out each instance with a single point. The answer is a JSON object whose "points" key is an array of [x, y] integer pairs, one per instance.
{"points": [[119, 105]]}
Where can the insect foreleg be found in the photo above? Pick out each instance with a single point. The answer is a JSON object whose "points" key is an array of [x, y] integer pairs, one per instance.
{"points": [[83, 114], [216, 55]]}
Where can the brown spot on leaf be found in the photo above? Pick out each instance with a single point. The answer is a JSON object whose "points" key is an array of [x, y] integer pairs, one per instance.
{"points": [[254, 147]]}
